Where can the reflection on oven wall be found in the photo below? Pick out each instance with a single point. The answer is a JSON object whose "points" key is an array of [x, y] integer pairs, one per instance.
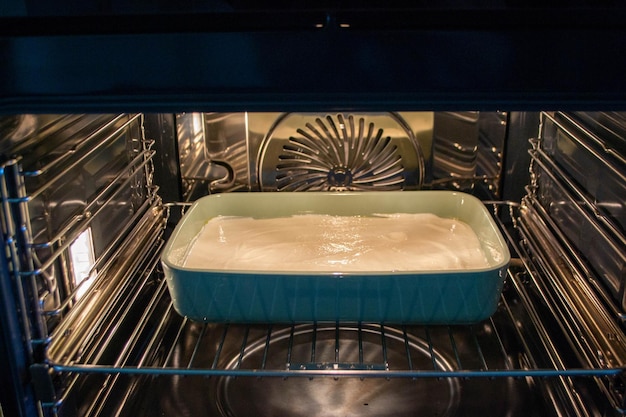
{"points": [[69, 164], [244, 151], [73, 187], [581, 182]]}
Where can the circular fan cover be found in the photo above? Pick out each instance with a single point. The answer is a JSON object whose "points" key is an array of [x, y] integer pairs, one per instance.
{"points": [[313, 152]]}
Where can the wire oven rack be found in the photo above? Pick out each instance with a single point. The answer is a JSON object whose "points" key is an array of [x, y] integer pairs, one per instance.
{"points": [[517, 341]]}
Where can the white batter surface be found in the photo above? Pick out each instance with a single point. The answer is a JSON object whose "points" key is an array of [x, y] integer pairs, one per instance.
{"points": [[395, 242]]}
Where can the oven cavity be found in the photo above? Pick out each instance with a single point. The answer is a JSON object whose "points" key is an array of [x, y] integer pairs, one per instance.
{"points": [[100, 336]]}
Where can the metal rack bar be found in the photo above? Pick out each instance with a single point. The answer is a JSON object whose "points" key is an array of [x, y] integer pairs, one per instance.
{"points": [[588, 327], [608, 235], [594, 324], [544, 338], [238, 370], [242, 350], [337, 342], [313, 343], [83, 142], [110, 381], [154, 340], [407, 349], [140, 161], [142, 320], [360, 337], [503, 351], [13, 225], [219, 349], [41, 279], [593, 137], [196, 347], [569, 325], [28, 271], [109, 256], [99, 348], [479, 350], [564, 382], [89, 314], [88, 219], [431, 351], [97, 146], [107, 387], [383, 345], [524, 260], [610, 230], [268, 339], [59, 123], [290, 348], [454, 348], [312, 373], [179, 333]]}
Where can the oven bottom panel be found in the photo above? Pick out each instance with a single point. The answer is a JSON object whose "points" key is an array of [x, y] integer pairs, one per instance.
{"points": [[243, 397]]}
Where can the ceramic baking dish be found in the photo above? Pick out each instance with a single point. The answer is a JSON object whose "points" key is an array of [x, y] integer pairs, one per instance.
{"points": [[436, 297]]}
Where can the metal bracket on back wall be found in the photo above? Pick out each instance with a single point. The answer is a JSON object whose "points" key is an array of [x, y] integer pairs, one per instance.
{"points": [[162, 129]]}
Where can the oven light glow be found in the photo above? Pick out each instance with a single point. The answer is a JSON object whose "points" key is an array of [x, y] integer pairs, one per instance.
{"points": [[197, 123], [83, 260]]}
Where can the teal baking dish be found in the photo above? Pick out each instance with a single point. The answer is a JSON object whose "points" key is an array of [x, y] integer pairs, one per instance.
{"points": [[418, 297]]}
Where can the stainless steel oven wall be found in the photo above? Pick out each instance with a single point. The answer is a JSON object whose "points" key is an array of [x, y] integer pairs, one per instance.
{"points": [[213, 153], [273, 151], [72, 187], [571, 216], [580, 180], [455, 147], [468, 151], [70, 166]]}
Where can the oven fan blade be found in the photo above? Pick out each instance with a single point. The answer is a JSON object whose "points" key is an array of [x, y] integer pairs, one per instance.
{"points": [[338, 153]]}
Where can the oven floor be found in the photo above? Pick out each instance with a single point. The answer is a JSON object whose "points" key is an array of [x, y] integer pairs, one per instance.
{"points": [[243, 397], [347, 347]]}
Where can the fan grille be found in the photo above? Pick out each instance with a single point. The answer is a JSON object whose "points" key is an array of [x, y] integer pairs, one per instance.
{"points": [[339, 153]]}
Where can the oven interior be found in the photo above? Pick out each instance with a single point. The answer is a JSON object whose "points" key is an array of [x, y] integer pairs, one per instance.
{"points": [[88, 201]]}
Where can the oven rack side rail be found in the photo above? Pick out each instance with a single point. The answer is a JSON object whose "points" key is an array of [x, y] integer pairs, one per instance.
{"points": [[65, 178], [586, 205], [78, 141], [232, 350], [353, 373]]}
